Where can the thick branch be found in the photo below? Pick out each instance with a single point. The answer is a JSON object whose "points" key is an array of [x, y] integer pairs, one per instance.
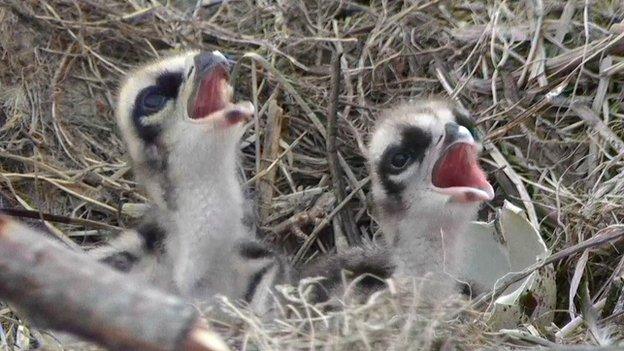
{"points": [[67, 291]]}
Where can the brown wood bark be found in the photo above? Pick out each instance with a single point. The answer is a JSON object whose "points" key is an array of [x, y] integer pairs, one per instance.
{"points": [[67, 291]]}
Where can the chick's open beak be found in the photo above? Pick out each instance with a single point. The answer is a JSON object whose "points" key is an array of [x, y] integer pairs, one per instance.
{"points": [[211, 98], [457, 172]]}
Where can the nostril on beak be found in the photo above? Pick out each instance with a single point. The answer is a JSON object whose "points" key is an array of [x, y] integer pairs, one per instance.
{"points": [[205, 60]]}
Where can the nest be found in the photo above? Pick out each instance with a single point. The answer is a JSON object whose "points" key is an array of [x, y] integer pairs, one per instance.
{"points": [[542, 78]]}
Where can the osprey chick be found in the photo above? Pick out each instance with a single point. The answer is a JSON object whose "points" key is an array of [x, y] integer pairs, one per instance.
{"points": [[427, 184], [183, 132]]}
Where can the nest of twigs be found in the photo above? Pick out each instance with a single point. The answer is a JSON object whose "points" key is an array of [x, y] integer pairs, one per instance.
{"points": [[543, 79]]}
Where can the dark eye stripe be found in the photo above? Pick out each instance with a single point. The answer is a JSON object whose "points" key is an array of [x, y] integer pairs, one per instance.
{"points": [[255, 280], [414, 142], [154, 101], [386, 164], [253, 250], [167, 85], [400, 160], [153, 235], [417, 141]]}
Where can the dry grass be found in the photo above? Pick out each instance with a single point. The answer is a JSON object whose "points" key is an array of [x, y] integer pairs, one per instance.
{"points": [[544, 79]]}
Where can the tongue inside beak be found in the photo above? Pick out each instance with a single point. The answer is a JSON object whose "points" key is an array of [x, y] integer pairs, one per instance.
{"points": [[211, 93], [458, 174], [212, 99]]}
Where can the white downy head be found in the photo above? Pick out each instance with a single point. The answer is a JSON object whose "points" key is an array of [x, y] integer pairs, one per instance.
{"points": [[183, 131], [426, 180], [179, 123]]}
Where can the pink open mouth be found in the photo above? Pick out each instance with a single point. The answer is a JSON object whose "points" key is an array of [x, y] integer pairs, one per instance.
{"points": [[211, 99], [457, 173]]}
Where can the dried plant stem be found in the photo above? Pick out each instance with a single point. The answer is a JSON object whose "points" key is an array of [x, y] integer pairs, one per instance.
{"points": [[344, 220]]}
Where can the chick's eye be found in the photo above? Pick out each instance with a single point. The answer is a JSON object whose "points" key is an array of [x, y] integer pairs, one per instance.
{"points": [[153, 101], [400, 160]]}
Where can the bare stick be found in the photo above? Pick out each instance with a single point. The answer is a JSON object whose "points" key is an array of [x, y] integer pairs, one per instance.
{"points": [[345, 221], [14, 212], [67, 291]]}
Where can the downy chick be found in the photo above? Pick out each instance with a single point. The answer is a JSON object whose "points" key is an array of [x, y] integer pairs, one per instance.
{"points": [[427, 184], [183, 132]]}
